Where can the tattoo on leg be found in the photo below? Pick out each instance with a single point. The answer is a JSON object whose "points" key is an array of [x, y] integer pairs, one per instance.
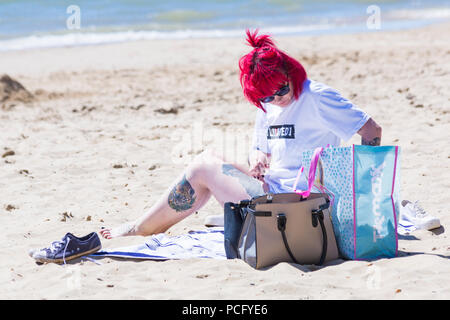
{"points": [[374, 142], [182, 197], [252, 186]]}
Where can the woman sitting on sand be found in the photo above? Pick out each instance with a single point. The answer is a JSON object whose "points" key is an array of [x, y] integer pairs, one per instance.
{"points": [[295, 114]]}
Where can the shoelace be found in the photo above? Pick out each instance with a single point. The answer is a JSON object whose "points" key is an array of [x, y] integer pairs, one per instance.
{"points": [[56, 245], [64, 252], [418, 209]]}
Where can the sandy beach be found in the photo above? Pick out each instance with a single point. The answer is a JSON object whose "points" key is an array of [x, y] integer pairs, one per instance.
{"points": [[102, 131]]}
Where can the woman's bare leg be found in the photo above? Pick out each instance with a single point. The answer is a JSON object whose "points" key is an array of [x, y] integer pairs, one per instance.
{"points": [[207, 175]]}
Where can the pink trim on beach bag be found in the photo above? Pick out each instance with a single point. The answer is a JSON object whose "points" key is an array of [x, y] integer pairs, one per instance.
{"points": [[311, 175]]}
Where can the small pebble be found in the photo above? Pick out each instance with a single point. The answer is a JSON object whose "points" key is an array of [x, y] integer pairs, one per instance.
{"points": [[8, 153], [10, 207]]}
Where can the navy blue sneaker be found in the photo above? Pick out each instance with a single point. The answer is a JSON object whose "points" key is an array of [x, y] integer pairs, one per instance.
{"points": [[68, 248]]}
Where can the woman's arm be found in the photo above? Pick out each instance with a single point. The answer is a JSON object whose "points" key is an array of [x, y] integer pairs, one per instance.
{"points": [[370, 133]]}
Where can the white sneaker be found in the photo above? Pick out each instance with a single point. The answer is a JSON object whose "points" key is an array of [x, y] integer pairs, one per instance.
{"points": [[216, 220], [414, 213]]}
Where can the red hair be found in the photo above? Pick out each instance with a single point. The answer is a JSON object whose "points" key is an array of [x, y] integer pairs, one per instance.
{"points": [[266, 68]]}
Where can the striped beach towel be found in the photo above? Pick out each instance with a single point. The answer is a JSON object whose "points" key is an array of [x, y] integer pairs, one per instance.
{"points": [[195, 244]]}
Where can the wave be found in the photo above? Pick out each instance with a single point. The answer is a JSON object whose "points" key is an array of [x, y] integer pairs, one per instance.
{"points": [[94, 38], [429, 13]]}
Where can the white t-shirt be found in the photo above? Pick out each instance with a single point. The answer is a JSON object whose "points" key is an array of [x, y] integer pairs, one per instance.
{"points": [[320, 116]]}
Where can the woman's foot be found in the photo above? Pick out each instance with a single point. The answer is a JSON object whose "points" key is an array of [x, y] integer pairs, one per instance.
{"points": [[127, 229]]}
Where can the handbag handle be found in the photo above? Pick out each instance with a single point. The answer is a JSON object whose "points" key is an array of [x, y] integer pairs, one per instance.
{"points": [[311, 174], [281, 223], [317, 215]]}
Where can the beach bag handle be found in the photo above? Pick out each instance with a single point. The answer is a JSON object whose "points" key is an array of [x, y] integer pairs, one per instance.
{"points": [[317, 217], [311, 174]]}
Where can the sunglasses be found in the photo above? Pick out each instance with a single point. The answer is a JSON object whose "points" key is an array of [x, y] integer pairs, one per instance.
{"points": [[283, 91]]}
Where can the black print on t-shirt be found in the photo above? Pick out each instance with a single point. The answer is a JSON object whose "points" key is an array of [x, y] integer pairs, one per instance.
{"points": [[285, 131]]}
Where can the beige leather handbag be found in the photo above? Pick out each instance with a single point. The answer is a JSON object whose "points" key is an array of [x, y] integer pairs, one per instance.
{"points": [[283, 227]]}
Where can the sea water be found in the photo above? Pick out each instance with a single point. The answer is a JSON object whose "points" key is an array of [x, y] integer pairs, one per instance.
{"points": [[28, 24]]}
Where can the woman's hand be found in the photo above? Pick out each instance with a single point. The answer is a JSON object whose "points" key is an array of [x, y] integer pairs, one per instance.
{"points": [[370, 133], [259, 163]]}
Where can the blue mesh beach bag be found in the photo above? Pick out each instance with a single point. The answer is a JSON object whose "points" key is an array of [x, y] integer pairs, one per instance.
{"points": [[363, 184]]}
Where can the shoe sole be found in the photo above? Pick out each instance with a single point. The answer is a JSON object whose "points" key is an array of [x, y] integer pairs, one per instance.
{"points": [[432, 226], [43, 260]]}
